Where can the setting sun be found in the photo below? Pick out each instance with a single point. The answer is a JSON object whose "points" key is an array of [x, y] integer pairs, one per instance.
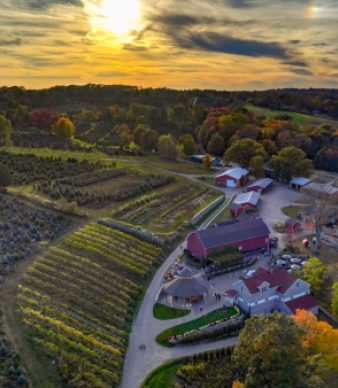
{"points": [[118, 18]]}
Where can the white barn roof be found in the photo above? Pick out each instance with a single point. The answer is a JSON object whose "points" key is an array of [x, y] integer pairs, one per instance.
{"points": [[235, 173], [300, 181], [263, 183], [249, 197]]}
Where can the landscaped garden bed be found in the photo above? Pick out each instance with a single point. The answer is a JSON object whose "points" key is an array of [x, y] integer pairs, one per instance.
{"points": [[76, 299], [175, 334]]}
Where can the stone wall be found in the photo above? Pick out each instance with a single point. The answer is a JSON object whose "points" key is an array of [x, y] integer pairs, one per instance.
{"points": [[203, 212]]}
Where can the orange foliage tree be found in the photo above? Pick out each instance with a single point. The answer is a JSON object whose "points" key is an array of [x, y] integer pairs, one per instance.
{"points": [[319, 338], [64, 127]]}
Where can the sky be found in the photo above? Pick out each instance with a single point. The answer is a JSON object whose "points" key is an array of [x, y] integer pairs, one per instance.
{"points": [[181, 44]]}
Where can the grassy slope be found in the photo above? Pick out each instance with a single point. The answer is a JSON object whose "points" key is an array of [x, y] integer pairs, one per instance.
{"points": [[163, 376]]}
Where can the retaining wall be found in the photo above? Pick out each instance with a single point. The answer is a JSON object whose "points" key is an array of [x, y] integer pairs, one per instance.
{"points": [[203, 212]]}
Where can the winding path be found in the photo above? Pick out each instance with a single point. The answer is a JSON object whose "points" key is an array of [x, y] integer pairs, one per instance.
{"points": [[139, 363]]}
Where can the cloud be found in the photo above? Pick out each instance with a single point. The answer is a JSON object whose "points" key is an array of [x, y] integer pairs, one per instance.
{"points": [[294, 41], [43, 4], [296, 63], [133, 47], [322, 44], [11, 42], [301, 71], [212, 41]]}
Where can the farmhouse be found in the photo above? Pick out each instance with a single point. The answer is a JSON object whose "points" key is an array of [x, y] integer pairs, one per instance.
{"points": [[298, 183], [187, 287], [246, 235], [272, 290], [249, 199], [260, 186], [232, 178]]}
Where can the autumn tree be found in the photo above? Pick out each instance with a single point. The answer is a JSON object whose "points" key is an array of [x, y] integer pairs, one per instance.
{"points": [[44, 118], [313, 273], [319, 338], [141, 120], [141, 128], [124, 133], [167, 148], [189, 145], [64, 127], [323, 205], [5, 131], [207, 161], [257, 167], [115, 112], [242, 151], [216, 145], [5, 176], [270, 354], [291, 162]]}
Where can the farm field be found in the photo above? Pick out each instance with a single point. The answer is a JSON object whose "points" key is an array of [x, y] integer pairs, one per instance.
{"points": [[76, 301], [168, 209], [298, 117]]}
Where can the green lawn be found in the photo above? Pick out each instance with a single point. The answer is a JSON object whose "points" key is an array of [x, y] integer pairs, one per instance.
{"points": [[298, 117], [163, 312], [194, 324], [293, 210], [163, 376]]}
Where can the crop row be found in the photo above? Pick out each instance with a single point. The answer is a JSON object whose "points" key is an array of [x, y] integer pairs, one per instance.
{"points": [[75, 304]]}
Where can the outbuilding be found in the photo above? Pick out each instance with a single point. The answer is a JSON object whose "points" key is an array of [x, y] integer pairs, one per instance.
{"points": [[236, 209], [232, 178], [292, 225], [298, 183], [246, 235], [249, 199], [260, 186]]}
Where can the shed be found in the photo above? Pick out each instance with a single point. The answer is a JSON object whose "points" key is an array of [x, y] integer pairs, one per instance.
{"points": [[232, 178], [260, 186], [187, 287], [236, 209], [292, 224], [246, 235], [247, 199], [298, 183]]}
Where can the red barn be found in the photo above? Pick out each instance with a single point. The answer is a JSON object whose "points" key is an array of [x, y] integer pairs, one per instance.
{"points": [[232, 178], [260, 186], [245, 199], [292, 225], [236, 209], [247, 235]]}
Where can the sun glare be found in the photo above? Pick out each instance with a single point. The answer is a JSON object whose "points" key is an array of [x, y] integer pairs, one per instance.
{"points": [[118, 17]]}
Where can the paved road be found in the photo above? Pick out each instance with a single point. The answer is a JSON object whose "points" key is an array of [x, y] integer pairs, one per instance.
{"points": [[138, 364]]}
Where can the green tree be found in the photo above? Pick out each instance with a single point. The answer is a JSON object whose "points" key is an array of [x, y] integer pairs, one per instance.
{"points": [[141, 120], [151, 140], [216, 145], [167, 148], [242, 151], [136, 110], [189, 146], [5, 176], [313, 273], [138, 132], [270, 354], [256, 167], [115, 112], [180, 150], [5, 131], [64, 127], [291, 162], [334, 302]]}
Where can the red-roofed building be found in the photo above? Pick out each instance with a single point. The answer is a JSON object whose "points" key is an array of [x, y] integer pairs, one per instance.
{"points": [[275, 290]]}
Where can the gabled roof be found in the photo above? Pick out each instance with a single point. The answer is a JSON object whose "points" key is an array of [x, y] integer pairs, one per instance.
{"points": [[263, 183], [235, 173], [300, 181], [228, 234], [305, 302], [291, 221], [235, 206], [186, 274], [327, 189], [250, 197], [231, 293], [276, 278]]}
